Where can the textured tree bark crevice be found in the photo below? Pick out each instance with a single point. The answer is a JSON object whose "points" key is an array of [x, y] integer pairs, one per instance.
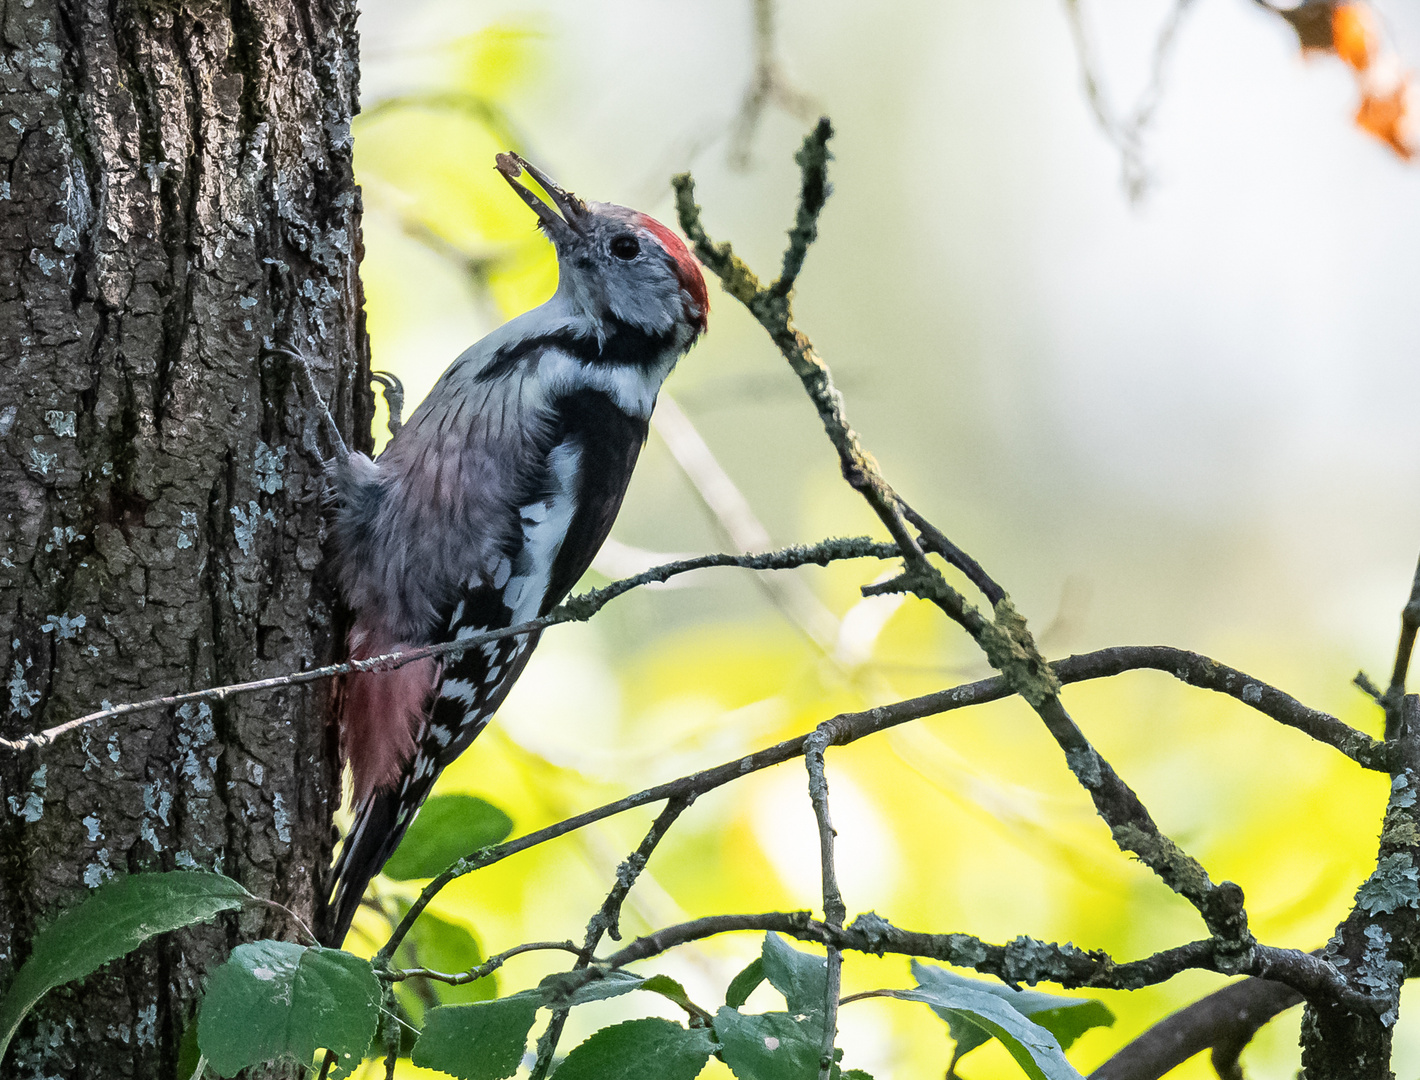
{"points": [[176, 194]]}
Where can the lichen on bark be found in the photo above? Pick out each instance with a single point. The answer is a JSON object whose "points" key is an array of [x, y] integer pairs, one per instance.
{"points": [[175, 194]]}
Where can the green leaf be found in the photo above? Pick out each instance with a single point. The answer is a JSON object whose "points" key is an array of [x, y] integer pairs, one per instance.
{"points": [[447, 828], [478, 1042], [856, 1074], [1067, 1022], [800, 976], [770, 1046], [110, 922], [1036, 1050], [671, 990], [1065, 1018], [560, 990], [275, 999], [745, 983], [649, 1049]]}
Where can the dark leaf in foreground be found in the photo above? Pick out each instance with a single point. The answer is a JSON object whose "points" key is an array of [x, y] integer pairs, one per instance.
{"points": [[448, 828], [110, 922], [277, 999], [649, 1049]]}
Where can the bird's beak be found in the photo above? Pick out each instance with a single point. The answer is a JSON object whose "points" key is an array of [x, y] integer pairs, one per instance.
{"points": [[573, 209]]}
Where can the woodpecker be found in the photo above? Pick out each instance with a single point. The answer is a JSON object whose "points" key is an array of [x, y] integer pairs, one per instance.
{"points": [[492, 500]]}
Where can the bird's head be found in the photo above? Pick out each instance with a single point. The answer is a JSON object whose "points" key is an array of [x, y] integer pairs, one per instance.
{"points": [[614, 261]]}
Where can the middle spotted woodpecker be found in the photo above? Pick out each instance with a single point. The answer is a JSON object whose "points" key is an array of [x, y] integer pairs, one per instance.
{"points": [[492, 500]]}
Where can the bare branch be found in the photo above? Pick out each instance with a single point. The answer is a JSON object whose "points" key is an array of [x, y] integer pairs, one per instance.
{"points": [[1005, 639], [1125, 133], [834, 911], [607, 921], [1024, 960], [574, 609], [768, 85], [483, 970], [1395, 693], [1224, 1021]]}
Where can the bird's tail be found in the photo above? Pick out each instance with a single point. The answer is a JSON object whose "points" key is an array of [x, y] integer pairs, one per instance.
{"points": [[380, 824], [380, 714]]}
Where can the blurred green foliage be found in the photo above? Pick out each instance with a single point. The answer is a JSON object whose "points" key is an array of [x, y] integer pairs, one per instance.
{"points": [[969, 822]]}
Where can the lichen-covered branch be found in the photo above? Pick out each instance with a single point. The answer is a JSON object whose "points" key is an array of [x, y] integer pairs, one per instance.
{"points": [[1195, 669], [1005, 638], [1024, 960], [607, 921], [1378, 945], [834, 911]]}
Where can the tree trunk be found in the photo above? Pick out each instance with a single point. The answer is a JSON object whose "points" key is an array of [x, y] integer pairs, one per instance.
{"points": [[177, 191]]}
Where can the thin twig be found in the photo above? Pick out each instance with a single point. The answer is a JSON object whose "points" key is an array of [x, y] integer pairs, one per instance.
{"points": [[607, 921], [342, 453], [483, 970], [739, 524], [1224, 1021], [834, 911], [1126, 134], [574, 609], [768, 85], [1395, 693]]}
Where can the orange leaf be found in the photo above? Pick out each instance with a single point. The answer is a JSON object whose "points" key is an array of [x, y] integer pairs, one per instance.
{"points": [[1387, 117], [1353, 34]]}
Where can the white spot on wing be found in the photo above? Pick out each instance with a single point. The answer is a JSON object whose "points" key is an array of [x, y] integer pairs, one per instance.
{"points": [[502, 572], [543, 540], [460, 690]]}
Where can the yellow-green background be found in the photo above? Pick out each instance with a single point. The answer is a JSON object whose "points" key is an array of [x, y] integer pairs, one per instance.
{"points": [[1189, 421]]}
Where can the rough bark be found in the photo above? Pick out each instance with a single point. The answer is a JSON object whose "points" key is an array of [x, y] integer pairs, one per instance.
{"points": [[176, 191], [1379, 942]]}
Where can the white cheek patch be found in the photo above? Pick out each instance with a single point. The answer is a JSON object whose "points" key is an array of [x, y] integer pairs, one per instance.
{"points": [[542, 540], [632, 388]]}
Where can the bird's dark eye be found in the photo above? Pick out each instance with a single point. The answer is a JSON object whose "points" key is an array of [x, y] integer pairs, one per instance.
{"points": [[625, 246]]}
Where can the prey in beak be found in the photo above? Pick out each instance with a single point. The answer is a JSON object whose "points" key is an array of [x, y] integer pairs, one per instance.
{"points": [[564, 227]]}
